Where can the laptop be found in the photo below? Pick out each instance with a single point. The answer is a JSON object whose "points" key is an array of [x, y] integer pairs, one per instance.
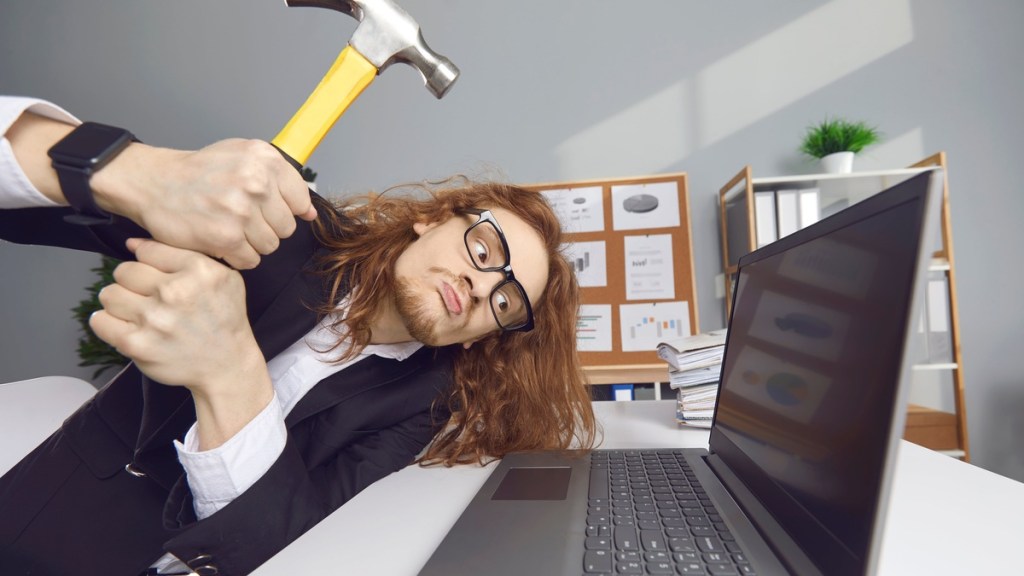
{"points": [[811, 408]]}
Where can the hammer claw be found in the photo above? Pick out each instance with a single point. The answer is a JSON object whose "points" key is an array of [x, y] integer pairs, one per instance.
{"points": [[386, 34]]}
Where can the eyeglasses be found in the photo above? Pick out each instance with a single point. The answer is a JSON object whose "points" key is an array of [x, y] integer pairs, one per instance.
{"points": [[488, 250]]}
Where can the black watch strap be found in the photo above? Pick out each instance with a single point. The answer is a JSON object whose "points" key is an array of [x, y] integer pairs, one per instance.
{"points": [[77, 157], [74, 182]]}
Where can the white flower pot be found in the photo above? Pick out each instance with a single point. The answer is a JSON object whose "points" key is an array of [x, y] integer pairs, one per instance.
{"points": [[837, 163]]}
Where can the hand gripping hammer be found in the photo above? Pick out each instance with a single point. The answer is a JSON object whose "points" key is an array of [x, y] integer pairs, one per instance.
{"points": [[385, 34]]}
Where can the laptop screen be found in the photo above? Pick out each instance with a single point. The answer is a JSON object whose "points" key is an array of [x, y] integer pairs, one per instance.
{"points": [[812, 368]]}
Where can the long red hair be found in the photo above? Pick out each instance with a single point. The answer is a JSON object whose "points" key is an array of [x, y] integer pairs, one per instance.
{"points": [[512, 391]]}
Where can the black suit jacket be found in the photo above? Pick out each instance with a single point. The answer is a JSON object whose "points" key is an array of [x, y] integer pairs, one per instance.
{"points": [[350, 430]]}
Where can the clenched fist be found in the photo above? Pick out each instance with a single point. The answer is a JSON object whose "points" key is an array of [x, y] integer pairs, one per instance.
{"points": [[180, 316], [234, 199]]}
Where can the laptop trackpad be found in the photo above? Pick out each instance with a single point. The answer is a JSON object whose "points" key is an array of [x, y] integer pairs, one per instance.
{"points": [[534, 484]]}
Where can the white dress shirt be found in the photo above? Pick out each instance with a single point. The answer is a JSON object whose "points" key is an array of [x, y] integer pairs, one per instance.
{"points": [[217, 476]]}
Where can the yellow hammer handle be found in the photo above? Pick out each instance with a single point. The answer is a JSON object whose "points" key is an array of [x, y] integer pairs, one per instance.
{"points": [[350, 74]]}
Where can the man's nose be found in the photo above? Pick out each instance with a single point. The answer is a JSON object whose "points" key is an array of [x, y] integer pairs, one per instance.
{"points": [[481, 283]]}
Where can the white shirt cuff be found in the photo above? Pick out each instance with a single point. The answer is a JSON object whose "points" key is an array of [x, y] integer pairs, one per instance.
{"points": [[218, 476], [16, 191]]}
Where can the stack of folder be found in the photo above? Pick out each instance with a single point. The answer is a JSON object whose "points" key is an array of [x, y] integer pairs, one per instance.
{"points": [[695, 364]]}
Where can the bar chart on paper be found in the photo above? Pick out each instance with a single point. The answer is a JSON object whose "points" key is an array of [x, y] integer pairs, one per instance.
{"points": [[588, 260], [644, 326]]}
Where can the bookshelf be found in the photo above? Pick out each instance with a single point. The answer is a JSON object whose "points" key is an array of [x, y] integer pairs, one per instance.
{"points": [[756, 211]]}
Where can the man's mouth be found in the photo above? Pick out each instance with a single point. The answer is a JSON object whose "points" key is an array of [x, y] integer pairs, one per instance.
{"points": [[451, 298]]}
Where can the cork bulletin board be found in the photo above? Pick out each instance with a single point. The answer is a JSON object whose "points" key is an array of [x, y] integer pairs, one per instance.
{"points": [[630, 243]]}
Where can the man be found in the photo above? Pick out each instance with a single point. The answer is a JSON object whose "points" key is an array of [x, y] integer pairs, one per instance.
{"points": [[259, 401]]}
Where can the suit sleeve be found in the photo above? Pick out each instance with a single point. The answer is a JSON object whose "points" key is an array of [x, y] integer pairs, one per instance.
{"points": [[289, 499]]}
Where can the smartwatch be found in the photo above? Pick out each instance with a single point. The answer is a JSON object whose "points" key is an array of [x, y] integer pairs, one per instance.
{"points": [[86, 149]]}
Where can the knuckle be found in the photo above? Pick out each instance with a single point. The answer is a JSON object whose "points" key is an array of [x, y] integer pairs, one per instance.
{"points": [[158, 320], [173, 293], [133, 346], [287, 227], [225, 238], [270, 245]]}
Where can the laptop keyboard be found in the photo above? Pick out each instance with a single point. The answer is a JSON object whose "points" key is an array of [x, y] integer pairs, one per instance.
{"points": [[648, 514]]}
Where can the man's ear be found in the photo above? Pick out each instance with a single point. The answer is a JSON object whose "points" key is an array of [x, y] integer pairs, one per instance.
{"points": [[420, 228]]}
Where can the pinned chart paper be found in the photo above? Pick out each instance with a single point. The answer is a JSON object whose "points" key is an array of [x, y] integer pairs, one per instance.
{"points": [[589, 261], [639, 206], [649, 271], [578, 209], [594, 328], [644, 326]]}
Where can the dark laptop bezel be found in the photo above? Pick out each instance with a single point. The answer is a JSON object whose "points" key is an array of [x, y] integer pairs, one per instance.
{"points": [[818, 546]]}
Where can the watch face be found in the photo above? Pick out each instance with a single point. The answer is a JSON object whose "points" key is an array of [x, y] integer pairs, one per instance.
{"points": [[90, 145]]}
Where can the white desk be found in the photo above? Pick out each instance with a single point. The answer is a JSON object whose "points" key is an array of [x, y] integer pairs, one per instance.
{"points": [[30, 410], [946, 517]]}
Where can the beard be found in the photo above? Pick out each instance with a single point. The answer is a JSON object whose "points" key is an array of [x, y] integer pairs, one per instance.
{"points": [[415, 313], [423, 310]]}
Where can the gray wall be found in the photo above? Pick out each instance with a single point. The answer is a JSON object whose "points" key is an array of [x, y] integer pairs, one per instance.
{"points": [[567, 90]]}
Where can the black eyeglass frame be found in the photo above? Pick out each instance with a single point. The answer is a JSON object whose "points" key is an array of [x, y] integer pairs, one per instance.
{"points": [[506, 269]]}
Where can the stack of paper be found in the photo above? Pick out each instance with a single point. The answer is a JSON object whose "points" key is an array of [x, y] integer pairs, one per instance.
{"points": [[695, 365]]}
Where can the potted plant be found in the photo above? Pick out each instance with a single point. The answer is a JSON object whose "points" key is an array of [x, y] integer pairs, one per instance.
{"points": [[835, 141]]}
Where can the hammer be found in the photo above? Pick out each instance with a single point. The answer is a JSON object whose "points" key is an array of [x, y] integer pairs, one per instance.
{"points": [[385, 34]]}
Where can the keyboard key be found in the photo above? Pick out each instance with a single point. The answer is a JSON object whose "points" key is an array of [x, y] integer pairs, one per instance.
{"points": [[648, 524], [732, 546], [722, 569], [687, 557], [678, 544], [598, 484], [597, 562], [625, 539], [692, 568], [657, 557], [660, 568], [627, 556], [598, 543], [629, 568], [653, 540], [709, 544]]}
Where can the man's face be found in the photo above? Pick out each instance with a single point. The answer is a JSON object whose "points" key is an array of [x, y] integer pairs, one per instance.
{"points": [[442, 298]]}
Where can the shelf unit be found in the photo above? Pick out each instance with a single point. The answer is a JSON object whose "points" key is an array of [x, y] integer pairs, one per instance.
{"points": [[756, 211]]}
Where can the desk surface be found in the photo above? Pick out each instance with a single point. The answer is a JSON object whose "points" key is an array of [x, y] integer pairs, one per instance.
{"points": [[943, 513]]}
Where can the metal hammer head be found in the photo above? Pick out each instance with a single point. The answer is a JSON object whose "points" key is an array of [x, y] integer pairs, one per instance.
{"points": [[387, 34]]}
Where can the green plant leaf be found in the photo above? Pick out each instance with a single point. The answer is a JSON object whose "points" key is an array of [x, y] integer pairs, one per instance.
{"points": [[837, 135]]}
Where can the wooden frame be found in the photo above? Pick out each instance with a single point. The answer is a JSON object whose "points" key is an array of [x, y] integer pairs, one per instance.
{"points": [[728, 268], [939, 159]]}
